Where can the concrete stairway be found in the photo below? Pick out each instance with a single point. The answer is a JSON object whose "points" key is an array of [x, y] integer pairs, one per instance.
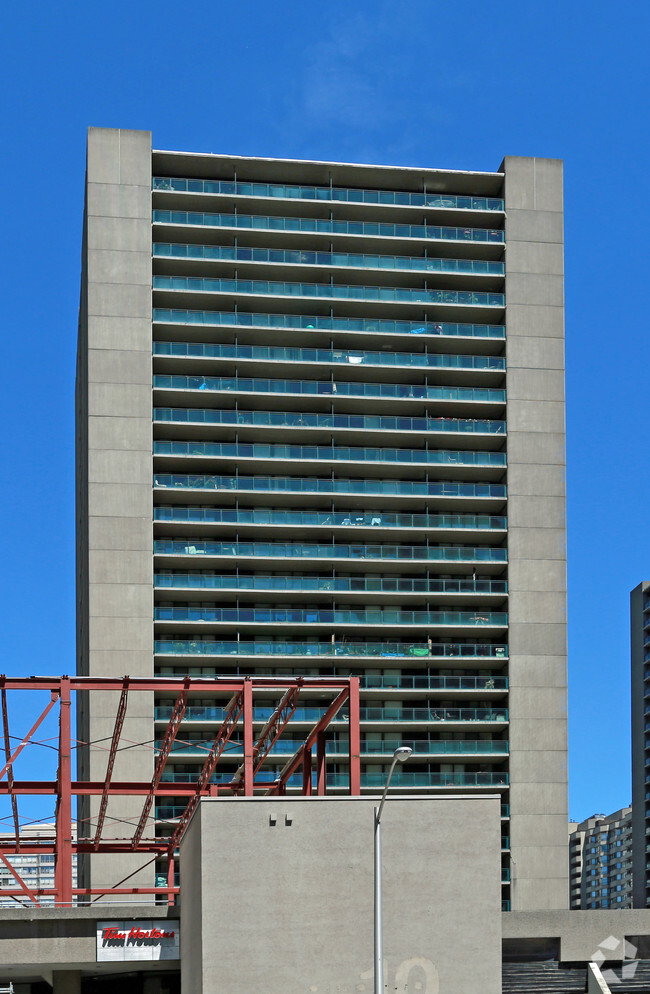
{"points": [[637, 984], [543, 978]]}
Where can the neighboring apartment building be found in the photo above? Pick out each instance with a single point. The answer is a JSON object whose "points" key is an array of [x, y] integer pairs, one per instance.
{"points": [[640, 690], [35, 869], [313, 439], [600, 861]]}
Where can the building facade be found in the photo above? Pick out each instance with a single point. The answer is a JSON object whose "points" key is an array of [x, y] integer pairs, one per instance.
{"points": [[320, 429], [640, 689], [35, 869], [600, 861]]}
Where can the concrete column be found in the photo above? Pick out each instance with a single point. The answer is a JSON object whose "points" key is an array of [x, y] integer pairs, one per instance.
{"points": [[114, 476], [536, 533], [66, 982]]}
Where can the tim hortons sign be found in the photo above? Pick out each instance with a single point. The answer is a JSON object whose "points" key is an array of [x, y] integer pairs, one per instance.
{"points": [[127, 941]]}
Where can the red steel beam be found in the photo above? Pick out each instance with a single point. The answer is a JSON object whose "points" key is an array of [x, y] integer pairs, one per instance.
{"points": [[248, 738], [117, 731], [10, 771], [43, 715], [296, 762], [168, 684], [355, 738], [221, 740], [63, 817], [321, 767], [270, 733], [306, 771], [165, 749]]}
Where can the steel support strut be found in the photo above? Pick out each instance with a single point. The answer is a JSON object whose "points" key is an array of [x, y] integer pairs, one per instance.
{"points": [[63, 857], [233, 715], [355, 738], [248, 738], [257, 751], [165, 749], [10, 771], [117, 731], [295, 762]]}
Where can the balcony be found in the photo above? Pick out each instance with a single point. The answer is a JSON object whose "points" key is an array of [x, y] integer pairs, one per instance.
{"points": [[329, 390], [369, 781], [381, 751], [359, 357], [329, 291], [367, 424], [240, 451], [330, 584], [327, 226], [490, 684], [329, 519], [333, 650], [346, 260], [302, 550], [327, 194], [304, 485], [317, 322], [388, 616], [371, 715]]}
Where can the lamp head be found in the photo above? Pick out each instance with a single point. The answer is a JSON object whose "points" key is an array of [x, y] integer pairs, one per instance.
{"points": [[402, 753]]}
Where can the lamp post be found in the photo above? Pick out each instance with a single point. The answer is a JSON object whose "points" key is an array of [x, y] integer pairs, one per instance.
{"points": [[399, 756]]}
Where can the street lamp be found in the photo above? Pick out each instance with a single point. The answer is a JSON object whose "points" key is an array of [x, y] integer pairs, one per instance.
{"points": [[399, 756]]}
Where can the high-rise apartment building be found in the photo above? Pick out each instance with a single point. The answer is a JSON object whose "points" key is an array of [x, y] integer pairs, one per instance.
{"points": [[35, 869], [321, 430], [640, 687], [600, 861]]}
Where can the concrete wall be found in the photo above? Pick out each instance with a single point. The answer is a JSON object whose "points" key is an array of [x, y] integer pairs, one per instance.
{"points": [[639, 856], [40, 942], [278, 895], [581, 933], [536, 532], [114, 465]]}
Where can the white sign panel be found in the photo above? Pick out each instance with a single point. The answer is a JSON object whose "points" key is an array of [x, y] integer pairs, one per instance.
{"points": [[127, 941]]}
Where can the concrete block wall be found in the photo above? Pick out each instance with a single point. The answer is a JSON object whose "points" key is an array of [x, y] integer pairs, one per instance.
{"points": [[536, 533], [114, 505]]}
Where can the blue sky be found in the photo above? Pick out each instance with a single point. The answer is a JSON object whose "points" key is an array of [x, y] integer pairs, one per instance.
{"points": [[457, 84]]}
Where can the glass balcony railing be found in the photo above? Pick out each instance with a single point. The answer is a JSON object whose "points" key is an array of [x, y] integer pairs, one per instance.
{"points": [[330, 291], [392, 714], [335, 453], [300, 484], [432, 714], [324, 584], [374, 781], [316, 322], [325, 616], [344, 519], [327, 388], [312, 225], [310, 550], [328, 194], [350, 260], [345, 357], [429, 747], [370, 681], [359, 422], [381, 681], [286, 647]]}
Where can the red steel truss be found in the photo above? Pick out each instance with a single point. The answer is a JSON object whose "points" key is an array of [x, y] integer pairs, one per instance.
{"points": [[239, 714]]}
